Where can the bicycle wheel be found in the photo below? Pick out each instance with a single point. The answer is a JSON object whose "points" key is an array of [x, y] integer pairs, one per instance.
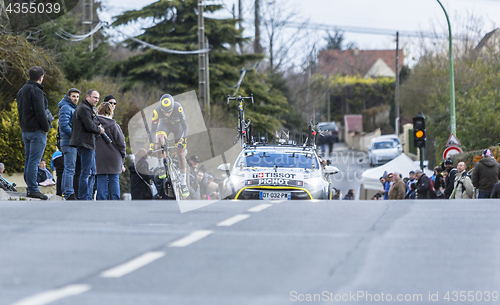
{"points": [[174, 179]]}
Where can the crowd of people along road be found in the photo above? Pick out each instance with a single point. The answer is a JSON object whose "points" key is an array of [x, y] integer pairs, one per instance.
{"points": [[447, 182], [92, 149]]}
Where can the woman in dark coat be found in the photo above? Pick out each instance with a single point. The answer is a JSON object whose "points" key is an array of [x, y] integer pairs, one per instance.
{"points": [[138, 187], [109, 158]]}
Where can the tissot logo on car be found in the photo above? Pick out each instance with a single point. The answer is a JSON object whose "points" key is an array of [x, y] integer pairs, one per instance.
{"points": [[274, 175]]}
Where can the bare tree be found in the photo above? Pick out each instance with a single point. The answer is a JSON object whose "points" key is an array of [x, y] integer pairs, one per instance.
{"points": [[277, 19]]}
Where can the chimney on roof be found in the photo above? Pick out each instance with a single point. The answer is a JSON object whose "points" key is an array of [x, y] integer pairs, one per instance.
{"points": [[356, 51]]}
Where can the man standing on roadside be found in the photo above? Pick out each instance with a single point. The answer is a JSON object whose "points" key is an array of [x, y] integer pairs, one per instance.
{"points": [[67, 108], [485, 174], [423, 185], [450, 178], [33, 117], [83, 139], [387, 185], [463, 185], [398, 189], [411, 181]]}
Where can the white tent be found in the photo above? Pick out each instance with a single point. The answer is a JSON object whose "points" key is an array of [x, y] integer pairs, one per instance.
{"points": [[401, 164]]}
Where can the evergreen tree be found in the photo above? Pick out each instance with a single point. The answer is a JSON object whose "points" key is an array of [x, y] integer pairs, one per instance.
{"points": [[336, 42], [175, 26]]}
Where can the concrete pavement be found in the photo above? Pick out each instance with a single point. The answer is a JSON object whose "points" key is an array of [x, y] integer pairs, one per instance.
{"points": [[279, 253]]}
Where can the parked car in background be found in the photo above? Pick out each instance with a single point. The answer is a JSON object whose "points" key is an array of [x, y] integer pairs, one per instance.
{"points": [[330, 126], [383, 149]]}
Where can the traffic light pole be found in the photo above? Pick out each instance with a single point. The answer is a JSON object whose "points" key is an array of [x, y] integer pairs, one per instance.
{"points": [[422, 150]]}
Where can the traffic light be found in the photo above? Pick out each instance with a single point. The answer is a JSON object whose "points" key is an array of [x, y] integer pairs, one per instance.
{"points": [[419, 131]]}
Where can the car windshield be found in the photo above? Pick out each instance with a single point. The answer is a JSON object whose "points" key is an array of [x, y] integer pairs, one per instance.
{"points": [[331, 126], [280, 159], [384, 145]]}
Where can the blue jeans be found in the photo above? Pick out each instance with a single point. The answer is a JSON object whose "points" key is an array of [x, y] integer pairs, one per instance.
{"points": [[69, 154], [108, 187], [86, 183], [34, 146], [484, 195]]}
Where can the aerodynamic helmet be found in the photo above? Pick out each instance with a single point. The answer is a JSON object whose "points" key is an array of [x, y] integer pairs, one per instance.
{"points": [[167, 103]]}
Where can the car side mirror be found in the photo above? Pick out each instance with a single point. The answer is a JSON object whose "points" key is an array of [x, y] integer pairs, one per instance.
{"points": [[369, 147], [224, 167], [331, 170]]}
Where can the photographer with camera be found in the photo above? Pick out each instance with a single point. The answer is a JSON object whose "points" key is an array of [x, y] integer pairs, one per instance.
{"points": [[109, 155], [83, 138]]}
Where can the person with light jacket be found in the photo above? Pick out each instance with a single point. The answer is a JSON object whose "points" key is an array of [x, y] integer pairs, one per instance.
{"points": [[463, 185], [109, 157]]}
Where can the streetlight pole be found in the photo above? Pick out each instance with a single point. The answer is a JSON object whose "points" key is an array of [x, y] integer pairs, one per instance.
{"points": [[202, 60], [452, 77]]}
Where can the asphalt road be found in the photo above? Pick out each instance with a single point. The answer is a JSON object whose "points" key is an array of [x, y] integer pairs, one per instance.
{"points": [[149, 253]]}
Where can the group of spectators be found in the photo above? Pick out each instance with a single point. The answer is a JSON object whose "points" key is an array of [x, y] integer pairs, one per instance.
{"points": [[81, 139], [447, 182]]}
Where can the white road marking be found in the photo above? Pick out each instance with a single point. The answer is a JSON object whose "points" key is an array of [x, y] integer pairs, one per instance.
{"points": [[133, 265], [191, 238], [231, 221], [53, 295], [260, 207]]}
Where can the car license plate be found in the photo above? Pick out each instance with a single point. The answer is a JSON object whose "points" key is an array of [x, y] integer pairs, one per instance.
{"points": [[274, 195]]}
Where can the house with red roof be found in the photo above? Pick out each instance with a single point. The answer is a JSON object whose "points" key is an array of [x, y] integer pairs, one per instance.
{"points": [[367, 63], [490, 42]]}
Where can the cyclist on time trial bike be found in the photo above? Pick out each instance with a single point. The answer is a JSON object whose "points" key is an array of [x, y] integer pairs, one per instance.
{"points": [[169, 117]]}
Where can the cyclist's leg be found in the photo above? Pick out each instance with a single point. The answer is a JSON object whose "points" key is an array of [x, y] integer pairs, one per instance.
{"points": [[161, 140], [181, 152]]}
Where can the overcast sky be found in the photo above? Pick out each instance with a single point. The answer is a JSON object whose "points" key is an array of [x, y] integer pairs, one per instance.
{"points": [[359, 15]]}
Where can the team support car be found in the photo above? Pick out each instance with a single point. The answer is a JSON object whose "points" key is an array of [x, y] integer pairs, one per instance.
{"points": [[383, 149], [278, 172]]}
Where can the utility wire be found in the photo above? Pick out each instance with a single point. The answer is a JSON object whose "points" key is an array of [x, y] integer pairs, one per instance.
{"points": [[68, 36], [163, 49], [361, 30]]}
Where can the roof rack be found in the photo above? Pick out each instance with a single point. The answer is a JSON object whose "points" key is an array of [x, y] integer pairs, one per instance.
{"points": [[283, 139]]}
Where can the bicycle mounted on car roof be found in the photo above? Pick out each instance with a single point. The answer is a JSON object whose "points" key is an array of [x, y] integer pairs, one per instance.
{"points": [[244, 128]]}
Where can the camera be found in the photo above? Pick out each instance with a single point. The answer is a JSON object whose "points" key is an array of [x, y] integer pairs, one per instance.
{"points": [[103, 135], [105, 138]]}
